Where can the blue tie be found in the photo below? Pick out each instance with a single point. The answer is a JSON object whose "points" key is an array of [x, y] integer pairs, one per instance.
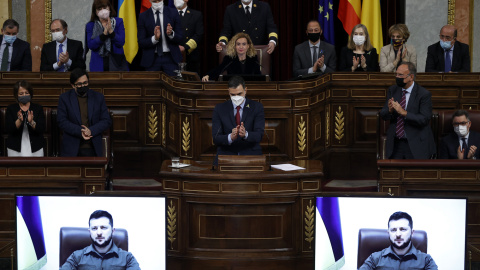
{"points": [[448, 61], [60, 50]]}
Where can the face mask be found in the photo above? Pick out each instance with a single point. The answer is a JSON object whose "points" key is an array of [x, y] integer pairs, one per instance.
{"points": [[400, 82], [313, 37], [396, 43], [104, 14], [82, 90], [461, 131], [179, 3], [58, 36], [24, 99], [9, 39], [237, 100], [446, 45], [359, 40], [246, 2], [157, 6]]}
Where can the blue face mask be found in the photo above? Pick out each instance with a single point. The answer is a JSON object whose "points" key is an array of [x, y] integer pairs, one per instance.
{"points": [[446, 45], [9, 39]]}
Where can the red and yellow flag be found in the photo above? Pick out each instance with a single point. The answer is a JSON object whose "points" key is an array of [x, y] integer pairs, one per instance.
{"points": [[349, 12]]}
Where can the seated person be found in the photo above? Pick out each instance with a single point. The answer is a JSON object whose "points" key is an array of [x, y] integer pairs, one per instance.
{"points": [[82, 116], [401, 254], [241, 59], [102, 253], [359, 55], [463, 143], [397, 51], [238, 124], [25, 124], [449, 54], [314, 55]]}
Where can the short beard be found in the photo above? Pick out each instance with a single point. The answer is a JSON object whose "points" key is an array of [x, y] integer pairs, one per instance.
{"points": [[105, 243], [404, 245]]}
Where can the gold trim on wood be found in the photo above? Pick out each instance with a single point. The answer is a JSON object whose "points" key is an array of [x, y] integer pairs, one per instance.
{"points": [[451, 12], [48, 20], [339, 124], [301, 135], [186, 136], [164, 123], [309, 224], [152, 124], [172, 224]]}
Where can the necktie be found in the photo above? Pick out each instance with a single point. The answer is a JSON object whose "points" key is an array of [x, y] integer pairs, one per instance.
{"points": [[249, 15], [448, 61], [159, 44], [400, 128], [464, 148], [181, 13], [5, 58], [60, 50], [315, 56], [237, 116]]}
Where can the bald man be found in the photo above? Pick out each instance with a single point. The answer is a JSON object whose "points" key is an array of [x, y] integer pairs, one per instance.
{"points": [[449, 54]]}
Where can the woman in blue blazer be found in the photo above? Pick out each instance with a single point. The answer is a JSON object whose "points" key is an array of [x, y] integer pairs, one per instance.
{"points": [[105, 37]]}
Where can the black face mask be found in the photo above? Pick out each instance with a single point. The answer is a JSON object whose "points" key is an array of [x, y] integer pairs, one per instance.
{"points": [[82, 90], [313, 37], [400, 82]]}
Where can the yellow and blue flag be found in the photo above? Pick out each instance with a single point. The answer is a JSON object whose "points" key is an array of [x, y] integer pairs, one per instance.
{"points": [[126, 11]]}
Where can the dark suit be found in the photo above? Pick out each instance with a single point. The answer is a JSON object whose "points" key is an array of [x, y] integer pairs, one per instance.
{"points": [[49, 55], [223, 121], [234, 67], [451, 142], [346, 60], [436, 58], [69, 121], [14, 140], [192, 23], [417, 122], [21, 55], [145, 32], [261, 28], [302, 58]]}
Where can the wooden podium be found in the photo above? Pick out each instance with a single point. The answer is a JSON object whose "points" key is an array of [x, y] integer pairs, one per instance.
{"points": [[225, 220]]}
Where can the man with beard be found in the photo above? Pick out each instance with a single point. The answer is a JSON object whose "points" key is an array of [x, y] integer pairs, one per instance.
{"points": [[401, 254], [102, 253]]}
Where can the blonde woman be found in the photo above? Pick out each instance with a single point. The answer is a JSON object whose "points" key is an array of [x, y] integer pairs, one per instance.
{"points": [[397, 51], [359, 55], [241, 59]]}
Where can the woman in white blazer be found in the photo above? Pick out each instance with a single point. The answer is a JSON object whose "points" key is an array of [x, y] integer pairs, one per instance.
{"points": [[397, 51]]}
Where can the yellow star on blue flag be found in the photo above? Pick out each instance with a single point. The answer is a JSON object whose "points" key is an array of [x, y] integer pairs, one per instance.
{"points": [[325, 18]]}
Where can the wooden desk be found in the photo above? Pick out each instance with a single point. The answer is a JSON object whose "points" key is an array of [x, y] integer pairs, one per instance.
{"points": [[223, 220]]}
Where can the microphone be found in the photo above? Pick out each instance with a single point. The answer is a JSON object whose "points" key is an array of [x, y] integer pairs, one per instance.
{"points": [[216, 156], [269, 156], [223, 69]]}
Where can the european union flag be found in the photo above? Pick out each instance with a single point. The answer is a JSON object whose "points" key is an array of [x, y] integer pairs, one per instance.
{"points": [[325, 18]]}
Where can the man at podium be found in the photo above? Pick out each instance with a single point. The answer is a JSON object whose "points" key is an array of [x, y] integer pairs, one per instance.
{"points": [[238, 124]]}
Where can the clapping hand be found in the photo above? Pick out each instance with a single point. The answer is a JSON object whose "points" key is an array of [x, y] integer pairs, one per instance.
{"points": [[86, 133]]}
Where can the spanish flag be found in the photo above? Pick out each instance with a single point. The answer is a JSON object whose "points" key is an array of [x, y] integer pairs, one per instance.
{"points": [[372, 19], [126, 11], [145, 5], [349, 12]]}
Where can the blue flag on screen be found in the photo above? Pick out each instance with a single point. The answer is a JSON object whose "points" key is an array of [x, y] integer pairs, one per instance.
{"points": [[329, 253], [30, 239], [325, 18]]}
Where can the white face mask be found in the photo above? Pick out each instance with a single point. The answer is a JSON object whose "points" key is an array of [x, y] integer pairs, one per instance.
{"points": [[179, 3], [461, 131], [246, 2], [58, 36], [237, 100], [157, 6], [104, 14], [358, 40]]}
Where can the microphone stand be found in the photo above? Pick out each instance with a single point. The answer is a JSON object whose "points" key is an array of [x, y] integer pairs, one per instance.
{"points": [[215, 156], [269, 156]]}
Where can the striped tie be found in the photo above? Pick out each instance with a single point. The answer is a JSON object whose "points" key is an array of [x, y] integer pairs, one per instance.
{"points": [[400, 129]]}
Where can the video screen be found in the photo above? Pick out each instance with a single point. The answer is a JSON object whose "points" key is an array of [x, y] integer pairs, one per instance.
{"points": [[338, 221], [39, 220]]}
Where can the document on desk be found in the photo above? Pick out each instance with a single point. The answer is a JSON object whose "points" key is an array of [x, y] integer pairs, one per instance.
{"points": [[287, 167]]}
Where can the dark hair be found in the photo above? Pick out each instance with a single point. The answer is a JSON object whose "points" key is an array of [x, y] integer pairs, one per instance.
{"points": [[399, 215], [460, 113], [100, 4], [235, 81], [76, 74], [23, 84], [411, 68], [10, 23], [62, 22], [315, 21], [101, 213]]}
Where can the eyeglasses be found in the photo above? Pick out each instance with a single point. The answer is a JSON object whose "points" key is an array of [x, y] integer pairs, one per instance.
{"points": [[80, 84], [402, 75], [447, 38], [464, 123]]}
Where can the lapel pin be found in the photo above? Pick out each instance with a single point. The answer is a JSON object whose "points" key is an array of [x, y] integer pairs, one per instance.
{"points": [[188, 11], [248, 106], [254, 5], [239, 6]]}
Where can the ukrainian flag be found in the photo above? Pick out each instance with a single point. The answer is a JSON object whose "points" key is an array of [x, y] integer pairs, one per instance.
{"points": [[126, 11]]}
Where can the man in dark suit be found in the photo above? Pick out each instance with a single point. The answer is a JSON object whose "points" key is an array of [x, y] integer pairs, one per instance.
{"points": [[15, 54], [62, 54], [82, 116], [449, 54], [463, 143], [408, 108], [238, 124], [192, 23], [314, 56], [159, 32], [252, 17]]}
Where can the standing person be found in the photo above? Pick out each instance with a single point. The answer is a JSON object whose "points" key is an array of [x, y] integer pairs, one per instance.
{"points": [[397, 51], [159, 32], [15, 54], [359, 54], [105, 37], [62, 54], [25, 123], [82, 116], [192, 24], [252, 17], [408, 108], [463, 143]]}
